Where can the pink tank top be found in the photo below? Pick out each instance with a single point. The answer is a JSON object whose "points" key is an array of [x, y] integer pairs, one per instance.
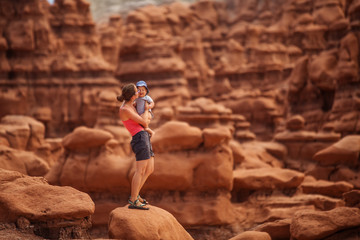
{"points": [[132, 126]]}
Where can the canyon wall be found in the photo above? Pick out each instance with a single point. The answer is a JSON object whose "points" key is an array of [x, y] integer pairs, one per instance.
{"points": [[265, 60]]}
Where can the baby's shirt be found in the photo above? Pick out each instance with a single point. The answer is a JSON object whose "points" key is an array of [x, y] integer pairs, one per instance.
{"points": [[140, 103]]}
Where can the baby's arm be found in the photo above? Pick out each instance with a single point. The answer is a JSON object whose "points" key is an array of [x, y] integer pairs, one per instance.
{"points": [[150, 101]]}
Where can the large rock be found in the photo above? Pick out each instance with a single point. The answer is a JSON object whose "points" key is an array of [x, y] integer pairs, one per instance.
{"points": [[175, 168], [35, 128], [279, 229], [332, 189], [36, 200], [29, 200], [15, 136], [214, 136], [175, 136], [22, 161], [266, 178], [252, 235], [295, 123], [24, 133], [153, 224], [83, 137], [94, 169], [313, 225], [346, 151]]}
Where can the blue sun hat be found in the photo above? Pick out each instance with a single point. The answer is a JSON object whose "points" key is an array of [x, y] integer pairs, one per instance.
{"points": [[142, 84]]}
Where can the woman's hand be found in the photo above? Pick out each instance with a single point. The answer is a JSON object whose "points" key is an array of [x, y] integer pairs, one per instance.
{"points": [[146, 106]]}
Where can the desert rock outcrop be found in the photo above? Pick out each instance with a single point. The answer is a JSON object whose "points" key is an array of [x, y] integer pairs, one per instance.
{"points": [[153, 224], [103, 168], [63, 210], [318, 225]]}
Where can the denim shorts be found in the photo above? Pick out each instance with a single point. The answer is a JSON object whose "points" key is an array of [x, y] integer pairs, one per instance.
{"points": [[141, 146]]}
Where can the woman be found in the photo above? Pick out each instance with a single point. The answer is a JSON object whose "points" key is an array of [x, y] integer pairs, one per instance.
{"points": [[140, 143]]}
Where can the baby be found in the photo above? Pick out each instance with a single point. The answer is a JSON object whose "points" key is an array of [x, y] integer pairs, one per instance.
{"points": [[140, 102]]}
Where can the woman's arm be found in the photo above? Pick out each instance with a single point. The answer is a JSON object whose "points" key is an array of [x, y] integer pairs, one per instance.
{"points": [[131, 114]]}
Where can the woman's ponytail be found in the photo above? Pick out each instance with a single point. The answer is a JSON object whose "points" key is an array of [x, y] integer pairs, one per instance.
{"points": [[127, 92], [120, 98]]}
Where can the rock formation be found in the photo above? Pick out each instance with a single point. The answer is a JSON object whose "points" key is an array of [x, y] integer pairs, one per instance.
{"points": [[96, 162], [51, 63], [256, 118], [52, 212], [155, 224]]}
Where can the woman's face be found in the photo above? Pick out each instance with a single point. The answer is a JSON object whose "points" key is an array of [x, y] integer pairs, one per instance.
{"points": [[136, 93]]}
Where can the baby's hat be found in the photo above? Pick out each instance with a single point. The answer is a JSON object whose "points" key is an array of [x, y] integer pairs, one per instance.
{"points": [[142, 84]]}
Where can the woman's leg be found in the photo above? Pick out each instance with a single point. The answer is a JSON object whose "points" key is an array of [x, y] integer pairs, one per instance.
{"points": [[137, 179], [148, 170]]}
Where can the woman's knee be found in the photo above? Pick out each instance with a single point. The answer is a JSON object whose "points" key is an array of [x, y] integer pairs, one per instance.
{"points": [[141, 168], [150, 167], [149, 170]]}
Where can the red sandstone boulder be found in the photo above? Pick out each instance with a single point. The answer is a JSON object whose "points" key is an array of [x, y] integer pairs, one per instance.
{"points": [[106, 171], [35, 199], [153, 224], [214, 136], [346, 151], [175, 135], [22, 161], [24, 148], [83, 137], [15, 136], [327, 188], [252, 235], [54, 212], [313, 225], [267, 178], [295, 123], [177, 169], [279, 229], [192, 170], [22, 132]]}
